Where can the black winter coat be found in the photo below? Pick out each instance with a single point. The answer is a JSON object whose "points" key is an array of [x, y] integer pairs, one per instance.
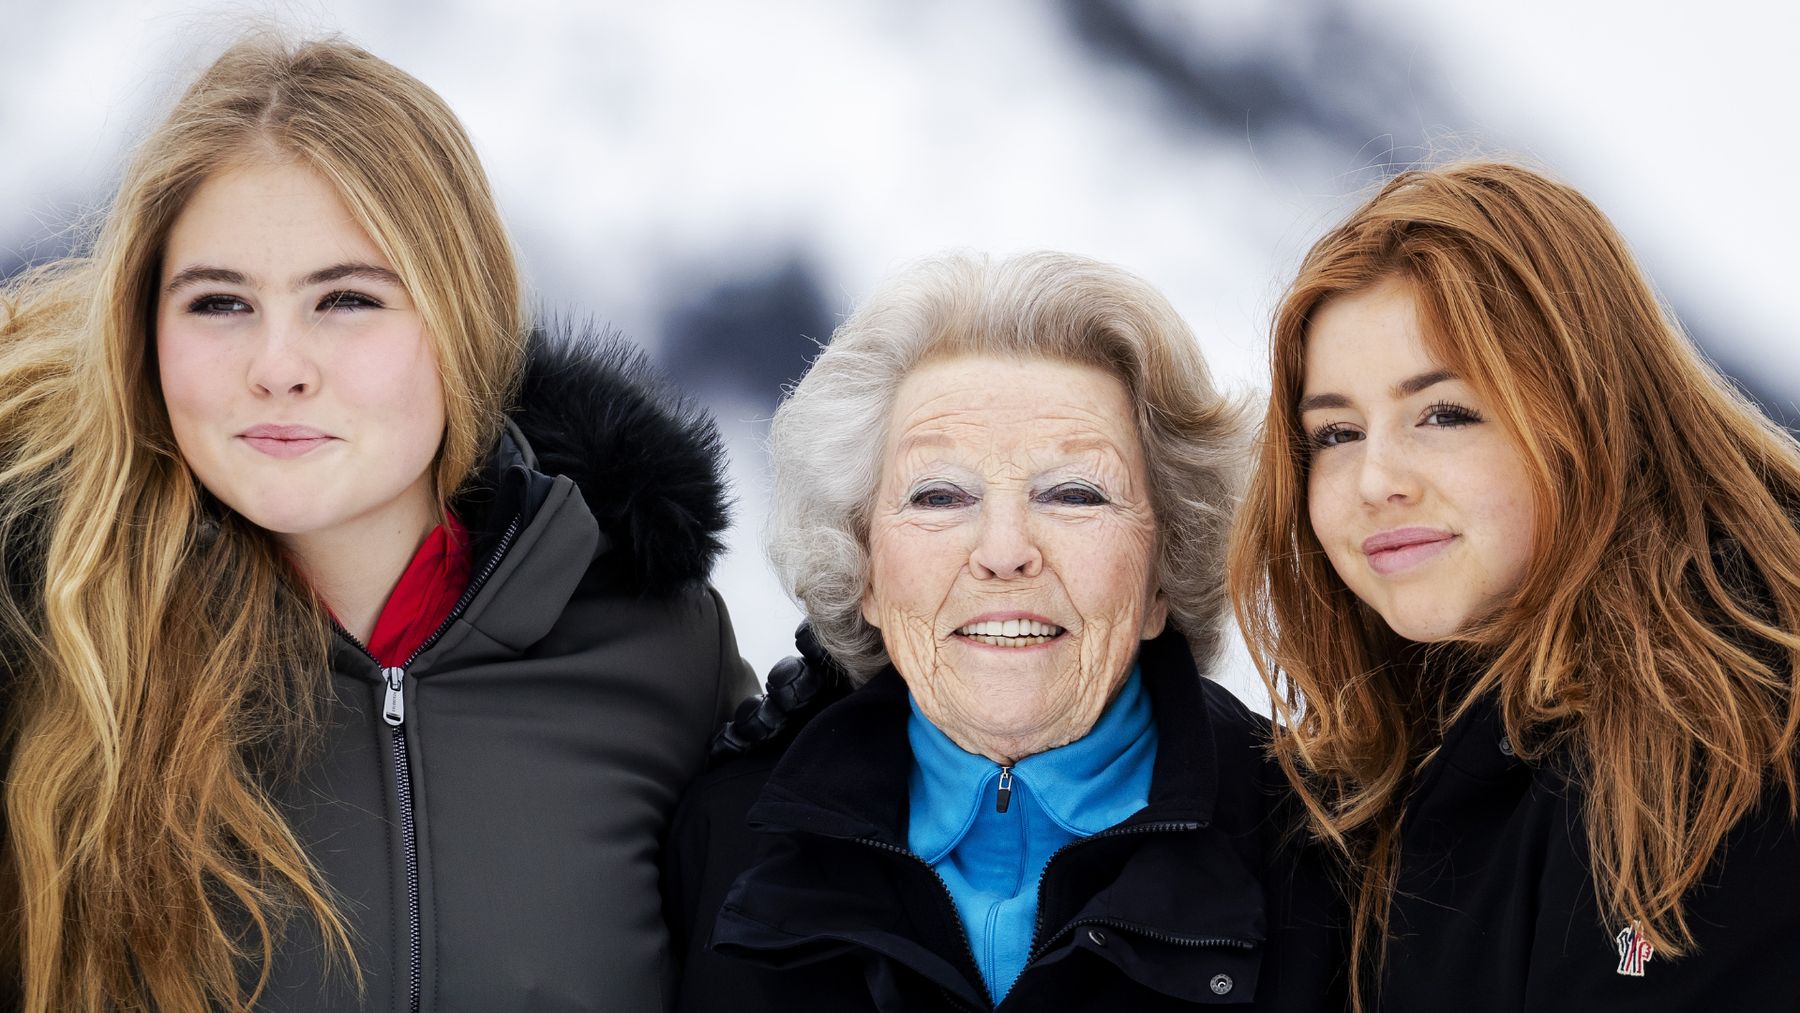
{"points": [[1199, 898], [491, 826], [1495, 909]]}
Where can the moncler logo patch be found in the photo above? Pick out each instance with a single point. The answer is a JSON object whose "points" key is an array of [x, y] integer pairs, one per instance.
{"points": [[1634, 951]]}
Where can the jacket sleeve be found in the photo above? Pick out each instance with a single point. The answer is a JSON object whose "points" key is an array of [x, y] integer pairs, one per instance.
{"points": [[1746, 909], [709, 844], [687, 845], [736, 679]]}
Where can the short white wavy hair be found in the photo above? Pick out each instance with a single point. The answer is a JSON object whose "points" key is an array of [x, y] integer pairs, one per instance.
{"points": [[827, 437]]}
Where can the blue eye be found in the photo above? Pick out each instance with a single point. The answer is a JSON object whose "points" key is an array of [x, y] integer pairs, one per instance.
{"points": [[1074, 494], [218, 305], [349, 301], [940, 497]]}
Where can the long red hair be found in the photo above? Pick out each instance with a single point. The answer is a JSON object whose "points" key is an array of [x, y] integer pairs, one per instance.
{"points": [[1651, 643]]}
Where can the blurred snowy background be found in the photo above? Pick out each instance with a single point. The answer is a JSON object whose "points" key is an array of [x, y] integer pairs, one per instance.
{"points": [[722, 180]]}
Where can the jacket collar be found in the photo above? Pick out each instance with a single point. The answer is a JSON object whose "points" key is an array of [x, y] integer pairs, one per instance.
{"points": [[1475, 765], [648, 463], [600, 460], [844, 777], [1083, 786], [845, 774]]}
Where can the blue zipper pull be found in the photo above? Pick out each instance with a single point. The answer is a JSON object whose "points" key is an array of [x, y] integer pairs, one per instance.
{"points": [[1003, 797], [393, 710]]}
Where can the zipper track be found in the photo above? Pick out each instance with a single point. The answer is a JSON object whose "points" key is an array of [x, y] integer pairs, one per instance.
{"points": [[469, 593], [1162, 937], [1042, 946], [409, 839], [943, 894]]}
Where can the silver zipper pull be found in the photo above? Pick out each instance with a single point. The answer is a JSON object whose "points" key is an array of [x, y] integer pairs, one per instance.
{"points": [[1003, 797], [394, 709]]}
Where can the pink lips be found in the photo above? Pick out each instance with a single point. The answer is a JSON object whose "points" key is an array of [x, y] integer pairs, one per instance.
{"points": [[1391, 552], [285, 441]]}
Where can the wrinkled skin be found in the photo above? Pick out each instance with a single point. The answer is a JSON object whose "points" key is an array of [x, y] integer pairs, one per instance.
{"points": [[1013, 487]]}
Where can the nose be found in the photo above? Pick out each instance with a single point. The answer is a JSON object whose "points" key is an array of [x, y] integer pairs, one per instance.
{"points": [[1388, 473], [1004, 548], [282, 363]]}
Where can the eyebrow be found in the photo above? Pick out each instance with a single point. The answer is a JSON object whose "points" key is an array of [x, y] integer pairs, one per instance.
{"points": [[339, 272], [1079, 444], [923, 440], [1405, 388], [1073, 445], [193, 275], [336, 272]]}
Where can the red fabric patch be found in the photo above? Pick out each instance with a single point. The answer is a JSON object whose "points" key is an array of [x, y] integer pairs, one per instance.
{"points": [[428, 590]]}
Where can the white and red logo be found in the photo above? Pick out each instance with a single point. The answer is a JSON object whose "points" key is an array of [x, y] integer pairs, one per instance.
{"points": [[1634, 951]]}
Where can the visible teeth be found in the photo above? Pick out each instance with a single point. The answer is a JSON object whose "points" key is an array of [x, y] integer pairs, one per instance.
{"points": [[1016, 632], [1011, 641]]}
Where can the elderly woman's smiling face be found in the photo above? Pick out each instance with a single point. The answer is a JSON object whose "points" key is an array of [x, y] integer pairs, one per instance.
{"points": [[1012, 549]]}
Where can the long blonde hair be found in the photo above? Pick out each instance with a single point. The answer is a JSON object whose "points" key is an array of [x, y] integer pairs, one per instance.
{"points": [[162, 667], [1651, 644]]}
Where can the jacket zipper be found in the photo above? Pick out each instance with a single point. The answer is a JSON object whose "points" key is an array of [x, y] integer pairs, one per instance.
{"points": [[1043, 946], [1162, 937], [944, 894], [393, 711]]}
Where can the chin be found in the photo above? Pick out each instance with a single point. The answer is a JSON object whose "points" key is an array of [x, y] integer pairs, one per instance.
{"points": [[1429, 628], [297, 515]]}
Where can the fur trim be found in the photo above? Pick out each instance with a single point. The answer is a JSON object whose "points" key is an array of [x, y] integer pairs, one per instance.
{"points": [[649, 463]]}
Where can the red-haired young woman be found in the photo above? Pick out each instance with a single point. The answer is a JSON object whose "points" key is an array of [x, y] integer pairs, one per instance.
{"points": [[1524, 571]]}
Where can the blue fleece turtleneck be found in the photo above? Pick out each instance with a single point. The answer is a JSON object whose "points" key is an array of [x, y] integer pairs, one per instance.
{"points": [[992, 860]]}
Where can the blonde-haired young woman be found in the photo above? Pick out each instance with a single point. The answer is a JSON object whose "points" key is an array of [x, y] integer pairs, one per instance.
{"points": [[1525, 569], [328, 684]]}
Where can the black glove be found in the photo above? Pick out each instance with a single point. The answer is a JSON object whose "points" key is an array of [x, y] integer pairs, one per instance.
{"points": [[797, 688]]}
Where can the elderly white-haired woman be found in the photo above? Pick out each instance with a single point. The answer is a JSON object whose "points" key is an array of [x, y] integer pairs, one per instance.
{"points": [[1002, 499]]}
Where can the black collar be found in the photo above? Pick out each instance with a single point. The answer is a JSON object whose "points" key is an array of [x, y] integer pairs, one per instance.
{"points": [[845, 775]]}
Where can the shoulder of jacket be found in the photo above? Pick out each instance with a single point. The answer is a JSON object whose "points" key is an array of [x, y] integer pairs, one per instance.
{"points": [[1234, 723], [649, 462]]}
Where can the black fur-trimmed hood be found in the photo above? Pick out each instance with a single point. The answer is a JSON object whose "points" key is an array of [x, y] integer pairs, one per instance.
{"points": [[649, 463]]}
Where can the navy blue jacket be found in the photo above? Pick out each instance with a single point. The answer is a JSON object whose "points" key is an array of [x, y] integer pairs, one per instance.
{"points": [[790, 886]]}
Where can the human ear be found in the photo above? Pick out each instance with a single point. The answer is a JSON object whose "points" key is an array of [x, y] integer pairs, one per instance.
{"points": [[1155, 617]]}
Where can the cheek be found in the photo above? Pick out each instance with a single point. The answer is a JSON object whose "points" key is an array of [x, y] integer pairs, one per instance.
{"points": [[910, 572], [1331, 509], [1108, 571], [1508, 516], [194, 379], [1513, 523], [397, 380], [424, 409], [1323, 508]]}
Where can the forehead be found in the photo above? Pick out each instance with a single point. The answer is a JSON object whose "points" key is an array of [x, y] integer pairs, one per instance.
{"points": [[1365, 340], [262, 213], [1030, 403]]}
